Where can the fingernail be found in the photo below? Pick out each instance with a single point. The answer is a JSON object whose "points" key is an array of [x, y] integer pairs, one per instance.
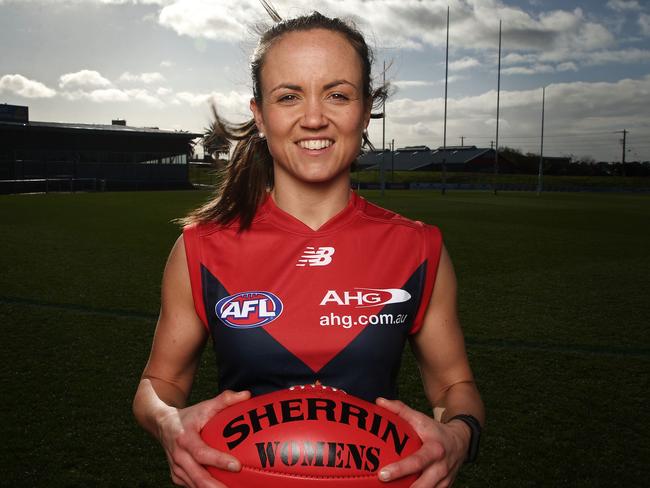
{"points": [[384, 475], [232, 466]]}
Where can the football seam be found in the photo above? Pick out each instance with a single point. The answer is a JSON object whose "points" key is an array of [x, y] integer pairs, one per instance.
{"points": [[308, 476]]}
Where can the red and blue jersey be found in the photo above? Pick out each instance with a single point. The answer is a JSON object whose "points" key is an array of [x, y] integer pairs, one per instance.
{"points": [[288, 305]]}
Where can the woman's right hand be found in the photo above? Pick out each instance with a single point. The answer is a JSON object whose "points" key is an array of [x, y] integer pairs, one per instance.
{"points": [[187, 454]]}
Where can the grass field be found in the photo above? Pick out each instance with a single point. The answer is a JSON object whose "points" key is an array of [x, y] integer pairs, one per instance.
{"points": [[553, 300], [207, 176]]}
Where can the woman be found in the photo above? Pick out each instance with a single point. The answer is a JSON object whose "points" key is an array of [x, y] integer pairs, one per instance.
{"points": [[299, 280]]}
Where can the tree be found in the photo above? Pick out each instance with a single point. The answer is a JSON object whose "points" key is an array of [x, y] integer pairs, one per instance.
{"points": [[215, 141]]}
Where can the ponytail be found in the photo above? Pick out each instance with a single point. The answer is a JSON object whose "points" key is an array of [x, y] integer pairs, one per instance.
{"points": [[245, 180]]}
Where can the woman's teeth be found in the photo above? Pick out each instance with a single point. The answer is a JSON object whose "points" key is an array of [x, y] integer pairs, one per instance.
{"points": [[316, 144]]}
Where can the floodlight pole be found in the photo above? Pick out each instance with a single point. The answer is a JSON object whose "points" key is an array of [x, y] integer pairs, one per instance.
{"points": [[541, 149], [382, 176], [444, 132], [392, 160], [496, 152]]}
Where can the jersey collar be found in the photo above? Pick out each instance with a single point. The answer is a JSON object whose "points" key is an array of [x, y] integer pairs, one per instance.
{"points": [[270, 212]]}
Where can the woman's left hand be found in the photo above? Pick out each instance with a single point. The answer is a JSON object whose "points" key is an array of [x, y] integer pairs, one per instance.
{"points": [[444, 449]]}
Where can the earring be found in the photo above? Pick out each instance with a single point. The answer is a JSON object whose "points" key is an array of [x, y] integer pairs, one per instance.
{"points": [[261, 135]]}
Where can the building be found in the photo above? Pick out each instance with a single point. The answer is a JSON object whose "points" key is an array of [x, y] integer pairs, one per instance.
{"points": [[51, 156], [422, 158]]}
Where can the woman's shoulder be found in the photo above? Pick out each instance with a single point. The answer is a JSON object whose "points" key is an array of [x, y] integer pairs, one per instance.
{"points": [[383, 215], [206, 228]]}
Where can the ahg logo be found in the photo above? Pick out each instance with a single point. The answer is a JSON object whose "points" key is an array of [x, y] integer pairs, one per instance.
{"points": [[366, 297], [248, 309], [316, 257]]}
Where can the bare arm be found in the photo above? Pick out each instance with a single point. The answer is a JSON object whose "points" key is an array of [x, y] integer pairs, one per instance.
{"points": [[179, 338], [449, 386], [160, 401], [440, 350]]}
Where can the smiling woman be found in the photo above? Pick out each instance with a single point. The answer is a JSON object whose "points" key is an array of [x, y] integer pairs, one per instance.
{"points": [[280, 91], [299, 280], [313, 111]]}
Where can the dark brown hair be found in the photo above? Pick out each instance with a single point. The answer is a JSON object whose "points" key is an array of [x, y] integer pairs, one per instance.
{"points": [[249, 174]]}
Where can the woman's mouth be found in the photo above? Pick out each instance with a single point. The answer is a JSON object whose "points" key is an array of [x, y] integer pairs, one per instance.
{"points": [[315, 145]]}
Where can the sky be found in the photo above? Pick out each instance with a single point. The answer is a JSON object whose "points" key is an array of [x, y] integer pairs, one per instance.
{"points": [[159, 63]]}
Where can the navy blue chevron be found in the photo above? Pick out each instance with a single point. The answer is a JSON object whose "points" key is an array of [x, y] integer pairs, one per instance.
{"points": [[369, 365], [249, 359]]}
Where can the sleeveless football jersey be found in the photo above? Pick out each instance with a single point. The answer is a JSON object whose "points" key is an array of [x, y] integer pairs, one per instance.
{"points": [[286, 305]]}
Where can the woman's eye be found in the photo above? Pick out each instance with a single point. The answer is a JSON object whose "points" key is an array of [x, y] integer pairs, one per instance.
{"points": [[338, 96], [288, 98]]}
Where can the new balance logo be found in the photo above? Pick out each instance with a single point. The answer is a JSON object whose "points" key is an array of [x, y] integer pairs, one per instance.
{"points": [[316, 257]]}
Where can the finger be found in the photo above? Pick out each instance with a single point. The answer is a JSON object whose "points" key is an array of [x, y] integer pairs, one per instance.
{"points": [[414, 463], [419, 421], [208, 456], [190, 442], [209, 408], [401, 409], [447, 481], [197, 474], [436, 476], [180, 477]]}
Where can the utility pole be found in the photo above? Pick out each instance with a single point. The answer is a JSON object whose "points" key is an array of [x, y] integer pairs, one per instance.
{"points": [[541, 149], [462, 141], [496, 152], [444, 137], [624, 132]]}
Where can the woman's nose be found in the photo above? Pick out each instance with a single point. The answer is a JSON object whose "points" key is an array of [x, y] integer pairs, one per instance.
{"points": [[313, 117]]}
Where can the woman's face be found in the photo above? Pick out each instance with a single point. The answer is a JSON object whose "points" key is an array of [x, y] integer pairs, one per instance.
{"points": [[313, 112]]}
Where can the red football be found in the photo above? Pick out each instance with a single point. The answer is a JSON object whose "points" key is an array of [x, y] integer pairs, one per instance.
{"points": [[310, 436]]}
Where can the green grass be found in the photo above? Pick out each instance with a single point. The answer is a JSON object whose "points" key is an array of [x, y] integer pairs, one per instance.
{"points": [[208, 176], [549, 181], [552, 296]]}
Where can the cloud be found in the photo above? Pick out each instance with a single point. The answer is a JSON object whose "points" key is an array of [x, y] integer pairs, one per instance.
{"points": [[618, 56], [464, 63], [83, 78], [516, 58], [552, 36], [113, 95], [122, 2], [411, 83], [146, 78], [569, 66], [166, 64], [528, 70], [421, 129], [140, 95], [575, 107], [226, 21], [623, 5], [97, 96], [24, 87], [644, 24], [229, 104], [452, 79], [410, 24]]}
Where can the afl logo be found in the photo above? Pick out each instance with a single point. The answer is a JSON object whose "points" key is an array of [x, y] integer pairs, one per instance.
{"points": [[248, 309]]}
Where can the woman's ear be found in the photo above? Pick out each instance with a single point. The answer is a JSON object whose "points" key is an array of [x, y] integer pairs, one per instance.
{"points": [[257, 115]]}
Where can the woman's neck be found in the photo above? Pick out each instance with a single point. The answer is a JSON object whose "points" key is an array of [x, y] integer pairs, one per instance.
{"points": [[312, 203]]}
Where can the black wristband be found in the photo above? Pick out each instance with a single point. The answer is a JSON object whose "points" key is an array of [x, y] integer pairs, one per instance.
{"points": [[475, 428]]}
